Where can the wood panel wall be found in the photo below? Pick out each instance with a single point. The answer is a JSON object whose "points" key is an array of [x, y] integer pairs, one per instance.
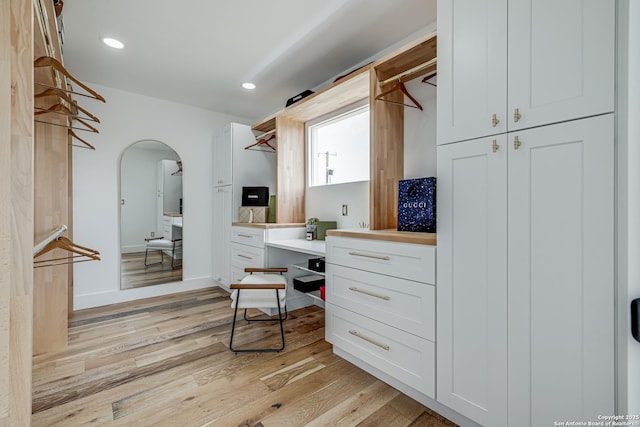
{"points": [[16, 210], [52, 205], [290, 179]]}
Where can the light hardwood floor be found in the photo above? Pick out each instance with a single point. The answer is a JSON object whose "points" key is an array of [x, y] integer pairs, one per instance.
{"points": [[165, 362], [134, 274]]}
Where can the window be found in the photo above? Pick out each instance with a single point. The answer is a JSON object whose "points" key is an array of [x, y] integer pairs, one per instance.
{"points": [[338, 147]]}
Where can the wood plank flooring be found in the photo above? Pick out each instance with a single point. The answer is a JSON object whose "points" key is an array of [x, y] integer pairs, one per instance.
{"points": [[165, 362], [134, 274]]}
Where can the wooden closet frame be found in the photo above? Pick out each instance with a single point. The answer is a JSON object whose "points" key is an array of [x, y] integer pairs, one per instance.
{"points": [[387, 132]]}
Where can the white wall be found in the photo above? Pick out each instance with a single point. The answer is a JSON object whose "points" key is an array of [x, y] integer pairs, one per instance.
{"points": [[420, 131], [126, 118]]}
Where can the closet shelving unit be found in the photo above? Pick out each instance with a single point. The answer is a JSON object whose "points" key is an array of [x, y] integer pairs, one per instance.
{"points": [[387, 130]]}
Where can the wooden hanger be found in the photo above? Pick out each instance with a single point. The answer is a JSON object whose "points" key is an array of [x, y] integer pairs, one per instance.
{"points": [[72, 134], [91, 128], [261, 143], [179, 171], [47, 61], [60, 109], [54, 91], [429, 77], [401, 87], [67, 245]]}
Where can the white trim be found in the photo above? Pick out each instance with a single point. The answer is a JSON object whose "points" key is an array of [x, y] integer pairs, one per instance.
{"points": [[116, 296]]}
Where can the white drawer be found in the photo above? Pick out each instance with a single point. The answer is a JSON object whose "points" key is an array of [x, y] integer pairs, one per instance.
{"points": [[407, 358], [237, 274], [248, 236], [404, 304], [404, 260], [243, 256]]}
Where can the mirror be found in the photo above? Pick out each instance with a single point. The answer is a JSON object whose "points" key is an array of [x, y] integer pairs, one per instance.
{"points": [[150, 215]]}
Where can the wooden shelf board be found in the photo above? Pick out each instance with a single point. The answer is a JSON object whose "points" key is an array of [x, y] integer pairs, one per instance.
{"points": [[418, 52], [351, 88]]}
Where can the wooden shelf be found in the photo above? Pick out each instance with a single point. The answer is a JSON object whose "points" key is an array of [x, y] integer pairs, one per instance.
{"points": [[266, 125], [349, 89]]}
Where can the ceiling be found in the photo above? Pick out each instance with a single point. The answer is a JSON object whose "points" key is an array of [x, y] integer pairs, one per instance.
{"points": [[199, 52]]}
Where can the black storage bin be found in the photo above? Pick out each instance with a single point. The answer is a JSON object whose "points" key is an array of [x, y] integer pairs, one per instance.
{"points": [[255, 196], [308, 283], [316, 264]]}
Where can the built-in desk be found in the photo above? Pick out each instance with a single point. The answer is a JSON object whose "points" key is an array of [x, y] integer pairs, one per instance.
{"points": [[294, 254]]}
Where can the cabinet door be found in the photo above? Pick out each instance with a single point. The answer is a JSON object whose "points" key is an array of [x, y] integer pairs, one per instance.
{"points": [[561, 60], [222, 157], [472, 69], [561, 282], [471, 279], [222, 200]]}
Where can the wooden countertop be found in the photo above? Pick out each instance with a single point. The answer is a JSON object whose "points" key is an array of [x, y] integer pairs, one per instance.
{"points": [[388, 235], [265, 225]]}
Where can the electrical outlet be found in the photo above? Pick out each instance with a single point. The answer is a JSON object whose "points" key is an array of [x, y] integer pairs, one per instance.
{"points": [[153, 234], [344, 210]]}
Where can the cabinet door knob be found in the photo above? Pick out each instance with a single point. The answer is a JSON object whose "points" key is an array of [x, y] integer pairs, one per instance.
{"points": [[495, 146], [494, 120], [516, 142], [516, 115]]}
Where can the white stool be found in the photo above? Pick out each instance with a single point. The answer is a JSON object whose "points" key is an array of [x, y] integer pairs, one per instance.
{"points": [[260, 291]]}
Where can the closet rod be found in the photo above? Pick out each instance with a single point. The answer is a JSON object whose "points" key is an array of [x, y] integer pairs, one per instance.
{"points": [[261, 136], [416, 69], [50, 238]]}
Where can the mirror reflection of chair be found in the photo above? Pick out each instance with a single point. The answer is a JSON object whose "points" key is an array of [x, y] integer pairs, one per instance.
{"points": [[161, 244], [266, 290]]}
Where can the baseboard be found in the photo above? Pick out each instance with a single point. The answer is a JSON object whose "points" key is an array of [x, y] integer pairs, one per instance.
{"points": [[112, 297]]}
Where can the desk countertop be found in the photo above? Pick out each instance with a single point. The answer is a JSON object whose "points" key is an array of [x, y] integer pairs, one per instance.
{"points": [[311, 247], [388, 235], [266, 225]]}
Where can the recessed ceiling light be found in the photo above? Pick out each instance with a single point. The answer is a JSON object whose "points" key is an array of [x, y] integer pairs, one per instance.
{"points": [[248, 85], [116, 44]]}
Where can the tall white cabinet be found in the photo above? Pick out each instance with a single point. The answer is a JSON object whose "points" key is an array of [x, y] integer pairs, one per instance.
{"points": [[525, 318], [506, 65], [234, 168]]}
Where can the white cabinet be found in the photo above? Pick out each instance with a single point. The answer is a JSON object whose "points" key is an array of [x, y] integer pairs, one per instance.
{"points": [[247, 250], [472, 69], [525, 275], [222, 200], [380, 309], [234, 167], [524, 63], [561, 272], [222, 158], [472, 279]]}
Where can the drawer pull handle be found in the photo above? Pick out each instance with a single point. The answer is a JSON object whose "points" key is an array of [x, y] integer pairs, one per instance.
{"points": [[244, 256], [369, 340], [248, 236], [384, 258], [371, 294]]}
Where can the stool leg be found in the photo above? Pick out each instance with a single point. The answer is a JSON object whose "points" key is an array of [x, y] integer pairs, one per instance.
{"points": [[233, 325]]}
